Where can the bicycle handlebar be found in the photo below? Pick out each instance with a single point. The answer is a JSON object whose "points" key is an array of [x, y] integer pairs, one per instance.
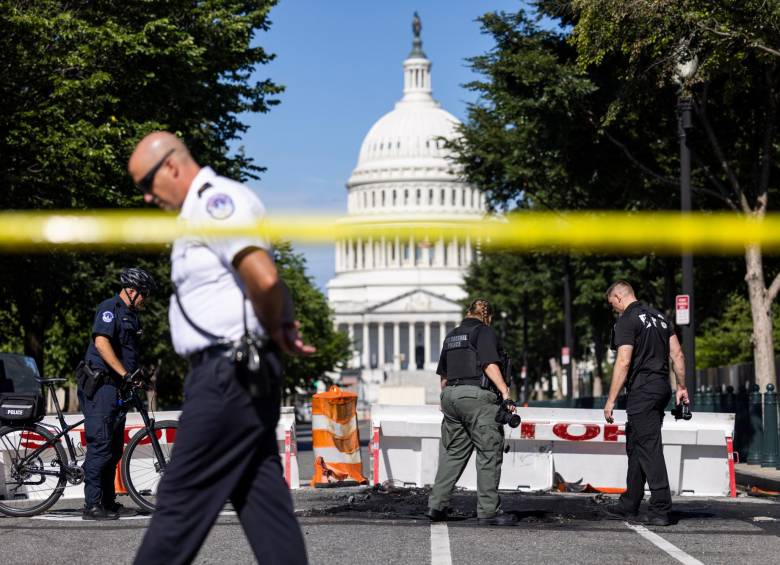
{"points": [[137, 379]]}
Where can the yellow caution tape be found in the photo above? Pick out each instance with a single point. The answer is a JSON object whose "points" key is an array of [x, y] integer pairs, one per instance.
{"points": [[577, 231]]}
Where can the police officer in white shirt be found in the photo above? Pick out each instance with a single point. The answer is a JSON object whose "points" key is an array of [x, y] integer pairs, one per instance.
{"points": [[227, 294]]}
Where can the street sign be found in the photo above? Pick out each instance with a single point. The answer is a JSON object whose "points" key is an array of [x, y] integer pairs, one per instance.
{"points": [[682, 309], [564, 355]]}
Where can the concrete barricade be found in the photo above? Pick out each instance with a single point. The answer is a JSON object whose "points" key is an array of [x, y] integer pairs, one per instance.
{"points": [[574, 443]]}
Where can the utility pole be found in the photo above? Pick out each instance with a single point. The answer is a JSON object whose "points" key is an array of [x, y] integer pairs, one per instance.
{"points": [[524, 370]]}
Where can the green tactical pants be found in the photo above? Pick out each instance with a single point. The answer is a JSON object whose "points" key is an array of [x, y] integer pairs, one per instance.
{"points": [[469, 422]]}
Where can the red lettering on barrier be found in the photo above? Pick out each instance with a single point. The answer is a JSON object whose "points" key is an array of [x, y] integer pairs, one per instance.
{"points": [[83, 434], [527, 430], [170, 435], [147, 440], [29, 440], [562, 431], [612, 432]]}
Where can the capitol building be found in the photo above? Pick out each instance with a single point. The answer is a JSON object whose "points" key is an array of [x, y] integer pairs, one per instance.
{"points": [[397, 298]]}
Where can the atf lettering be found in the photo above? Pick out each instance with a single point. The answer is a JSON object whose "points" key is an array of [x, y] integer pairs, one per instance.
{"points": [[527, 430], [562, 431]]}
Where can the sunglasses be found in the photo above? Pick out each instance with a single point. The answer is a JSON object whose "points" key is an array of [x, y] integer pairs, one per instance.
{"points": [[145, 184]]}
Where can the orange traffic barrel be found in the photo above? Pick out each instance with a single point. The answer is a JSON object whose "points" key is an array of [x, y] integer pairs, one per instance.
{"points": [[335, 439]]}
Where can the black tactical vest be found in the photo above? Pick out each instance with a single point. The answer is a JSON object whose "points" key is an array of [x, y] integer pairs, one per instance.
{"points": [[460, 347]]}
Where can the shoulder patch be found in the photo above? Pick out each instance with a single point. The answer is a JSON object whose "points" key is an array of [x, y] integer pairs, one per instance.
{"points": [[107, 316], [220, 206]]}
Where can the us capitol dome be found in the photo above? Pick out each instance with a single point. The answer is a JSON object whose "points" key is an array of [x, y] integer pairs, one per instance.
{"points": [[397, 298]]}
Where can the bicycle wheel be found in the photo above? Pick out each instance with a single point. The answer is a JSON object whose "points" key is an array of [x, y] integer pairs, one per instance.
{"points": [[141, 469], [31, 479]]}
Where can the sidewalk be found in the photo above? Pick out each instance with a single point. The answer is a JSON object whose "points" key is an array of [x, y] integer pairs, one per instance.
{"points": [[766, 478]]}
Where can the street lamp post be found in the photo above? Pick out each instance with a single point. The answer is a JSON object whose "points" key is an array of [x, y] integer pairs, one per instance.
{"points": [[685, 72], [568, 322]]}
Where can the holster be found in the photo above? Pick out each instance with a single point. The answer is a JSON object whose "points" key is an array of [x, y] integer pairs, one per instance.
{"points": [[251, 369], [89, 380]]}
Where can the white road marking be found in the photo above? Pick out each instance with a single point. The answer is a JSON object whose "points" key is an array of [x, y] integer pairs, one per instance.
{"points": [[76, 517], [661, 543], [764, 519], [54, 517], [440, 545]]}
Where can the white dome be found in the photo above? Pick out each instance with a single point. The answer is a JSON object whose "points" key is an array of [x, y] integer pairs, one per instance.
{"points": [[408, 142], [411, 132]]}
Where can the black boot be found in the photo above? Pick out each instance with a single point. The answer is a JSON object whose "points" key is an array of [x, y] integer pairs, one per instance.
{"points": [[652, 519], [120, 510], [500, 519], [436, 515], [98, 513], [616, 511]]}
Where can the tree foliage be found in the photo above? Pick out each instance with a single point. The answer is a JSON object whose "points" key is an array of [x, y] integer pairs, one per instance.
{"points": [[735, 93], [548, 132], [726, 339], [82, 82], [314, 313]]}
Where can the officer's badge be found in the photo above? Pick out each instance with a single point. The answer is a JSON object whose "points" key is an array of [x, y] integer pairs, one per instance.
{"points": [[107, 317], [220, 206]]}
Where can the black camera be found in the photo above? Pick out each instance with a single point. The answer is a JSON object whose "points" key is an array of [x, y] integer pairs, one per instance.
{"points": [[682, 412], [504, 416]]}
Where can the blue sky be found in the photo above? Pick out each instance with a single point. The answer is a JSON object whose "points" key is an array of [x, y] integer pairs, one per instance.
{"points": [[341, 64]]}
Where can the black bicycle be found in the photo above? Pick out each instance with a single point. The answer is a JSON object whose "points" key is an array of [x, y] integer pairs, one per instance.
{"points": [[35, 467]]}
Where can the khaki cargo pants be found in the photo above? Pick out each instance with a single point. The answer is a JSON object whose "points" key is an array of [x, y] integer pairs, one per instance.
{"points": [[469, 423]]}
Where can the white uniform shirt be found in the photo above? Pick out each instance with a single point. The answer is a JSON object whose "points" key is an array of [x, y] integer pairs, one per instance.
{"points": [[210, 289]]}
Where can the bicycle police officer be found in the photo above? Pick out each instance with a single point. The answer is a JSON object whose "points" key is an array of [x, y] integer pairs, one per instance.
{"points": [[231, 318], [468, 352], [111, 356], [644, 341]]}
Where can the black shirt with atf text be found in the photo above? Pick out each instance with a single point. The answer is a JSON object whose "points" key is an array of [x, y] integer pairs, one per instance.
{"points": [[648, 332]]}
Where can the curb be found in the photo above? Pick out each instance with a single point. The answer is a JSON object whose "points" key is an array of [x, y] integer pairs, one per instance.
{"points": [[756, 476]]}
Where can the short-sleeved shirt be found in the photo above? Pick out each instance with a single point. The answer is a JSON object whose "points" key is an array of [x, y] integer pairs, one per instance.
{"points": [[486, 343], [117, 322], [648, 331], [211, 291]]}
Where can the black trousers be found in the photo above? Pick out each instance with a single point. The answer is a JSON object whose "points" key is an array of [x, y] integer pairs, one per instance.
{"points": [[646, 460], [104, 427], [225, 450]]}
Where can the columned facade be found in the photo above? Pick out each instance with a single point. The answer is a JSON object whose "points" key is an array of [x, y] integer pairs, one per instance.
{"points": [[389, 350]]}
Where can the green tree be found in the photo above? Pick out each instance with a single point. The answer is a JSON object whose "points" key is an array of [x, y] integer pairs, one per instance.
{"points": [[735, 94], [531, 143], [312, 310], [82, 82], [726, 340]]}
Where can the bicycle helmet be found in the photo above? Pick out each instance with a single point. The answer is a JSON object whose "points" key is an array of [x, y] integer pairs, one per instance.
{"points": [[140, 280]]}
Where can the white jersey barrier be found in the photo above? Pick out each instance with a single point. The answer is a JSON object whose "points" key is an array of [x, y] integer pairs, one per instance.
{"points": [[574, 443], [285, 438]]}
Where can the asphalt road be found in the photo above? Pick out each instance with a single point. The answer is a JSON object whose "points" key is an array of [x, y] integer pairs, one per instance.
{"points": [[363, 525], [367, 526]]}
